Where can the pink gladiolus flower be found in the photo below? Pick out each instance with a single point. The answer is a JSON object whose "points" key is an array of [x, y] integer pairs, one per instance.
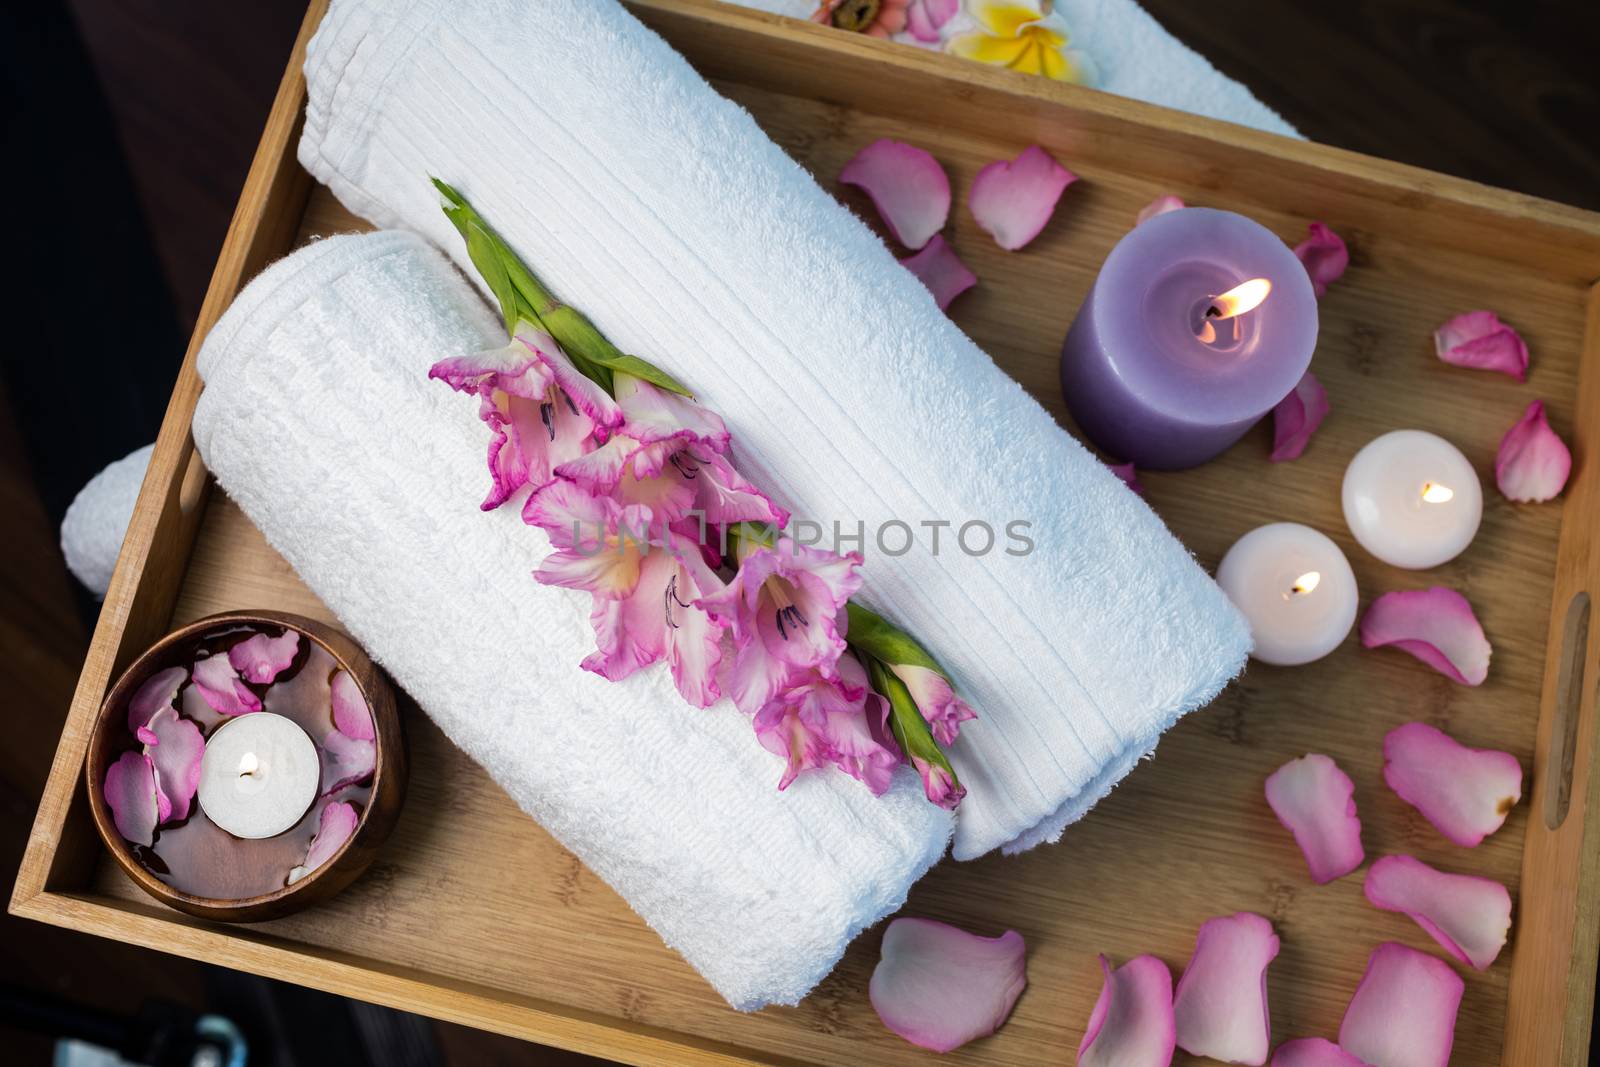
{"points": [[938, 785], [816, 720], [668, 455], [598, 542], [936, 699], [1325, 256], [542, 411], [783, 608]]}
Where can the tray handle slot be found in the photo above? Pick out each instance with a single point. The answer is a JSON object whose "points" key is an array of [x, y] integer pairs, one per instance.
{"points": [[1569, 699]]}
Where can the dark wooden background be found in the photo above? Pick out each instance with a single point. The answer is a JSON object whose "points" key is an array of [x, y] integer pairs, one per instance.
{"points": [[131, 123]]}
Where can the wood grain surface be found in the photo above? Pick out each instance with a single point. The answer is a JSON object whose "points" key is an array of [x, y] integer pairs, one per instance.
{"points": [[474, 914]]}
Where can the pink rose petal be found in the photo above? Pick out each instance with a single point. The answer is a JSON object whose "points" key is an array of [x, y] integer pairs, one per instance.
{"points": [[1403, 1013], [1129, 476], [337, 822], [1131, 1025], [1315, 800], [939, 268], [158, 692], [1297, 417], [260, 659], [345, 760], [1313, 1052], [906, 184], [939, 987], [351, 716], [222, 687], [1013, 199], [130, 792], [1481, 341], [1220, 1005], [1324, 255], [1469, 916], [1533, 463], [1466, 793], [1159, 206], [924, 18], [1435, 625], [175, 748]]}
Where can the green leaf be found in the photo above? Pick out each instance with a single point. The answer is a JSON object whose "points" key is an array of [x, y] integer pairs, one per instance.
{"points": [[906, 722], [481, 248], [577, 334], [885, 641]]}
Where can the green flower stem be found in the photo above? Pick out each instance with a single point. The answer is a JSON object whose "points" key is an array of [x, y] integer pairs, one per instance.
{"points": [[885, 641], [905, 721], [523, 298]]}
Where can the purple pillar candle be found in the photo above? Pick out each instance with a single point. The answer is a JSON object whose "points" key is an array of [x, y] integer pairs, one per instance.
{"points": [[1180, 347]]}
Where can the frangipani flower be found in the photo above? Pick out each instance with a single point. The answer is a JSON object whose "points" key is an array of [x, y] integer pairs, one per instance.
{"points": [[783, 609], [1024, 35], [879, 18], [816, 720], [925, 18], [541, 410], [668, 454]]}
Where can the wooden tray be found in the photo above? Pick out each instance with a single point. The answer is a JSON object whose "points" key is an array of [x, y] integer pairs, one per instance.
{"points": [[473, 914]]}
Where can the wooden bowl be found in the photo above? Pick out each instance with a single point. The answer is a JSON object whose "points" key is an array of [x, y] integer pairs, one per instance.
{"points": [[110, 736]]}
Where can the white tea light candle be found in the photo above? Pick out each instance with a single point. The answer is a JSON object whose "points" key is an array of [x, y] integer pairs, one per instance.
{"points": [[259, 775], [1412, 499], [1294, 587]]}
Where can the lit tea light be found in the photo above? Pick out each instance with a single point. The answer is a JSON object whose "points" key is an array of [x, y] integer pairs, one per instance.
{"points": [[259, 775], [1412, 499], [1199, 323], [1294, 587]]}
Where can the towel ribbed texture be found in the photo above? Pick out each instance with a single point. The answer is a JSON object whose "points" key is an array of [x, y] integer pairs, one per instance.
{"points": [[319, 420], [661, 209]]}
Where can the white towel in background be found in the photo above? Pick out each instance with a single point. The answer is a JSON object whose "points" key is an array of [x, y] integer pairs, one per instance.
{"points": [[318, 418], [662, 210], [97, 520], [1130, 53]]}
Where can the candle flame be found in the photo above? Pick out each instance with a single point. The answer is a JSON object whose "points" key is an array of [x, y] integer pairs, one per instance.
{"points": [[1241, 298], [1306, 582], [1434, 493], [248, 765]]}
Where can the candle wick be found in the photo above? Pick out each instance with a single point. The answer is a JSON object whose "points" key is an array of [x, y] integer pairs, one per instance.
{"points": [[1213, 312], [248, 765]]}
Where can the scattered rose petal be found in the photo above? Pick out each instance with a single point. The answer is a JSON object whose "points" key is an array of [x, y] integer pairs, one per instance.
{"points": [[130, 792], [1469, 916], [1403, 1013], [175, 748], [351, 715], [939, 268], [1533, 463], [1013, 199], [1313, 1052], [1481, 341], [222, 687], [345, 760], [1435, 625], [260, 659], [939, 987], [1129, 476], [1465, 792], [1220, 1005], [1159, 206], [906, 184], [337, 823], [1315, 800], [1131, 1025], [1297, 417], [1324, 255], [924, 18], [158, 692]]}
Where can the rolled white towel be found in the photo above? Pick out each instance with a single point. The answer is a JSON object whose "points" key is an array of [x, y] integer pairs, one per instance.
{"points": [[662, 210], [319, 420], [97, 520]]}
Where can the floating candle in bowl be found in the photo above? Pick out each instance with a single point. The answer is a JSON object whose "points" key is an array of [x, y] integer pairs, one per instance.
{"points": [[1294, 587], [247, 765], [1412, 499], [1200, 322], [259, 775]]}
